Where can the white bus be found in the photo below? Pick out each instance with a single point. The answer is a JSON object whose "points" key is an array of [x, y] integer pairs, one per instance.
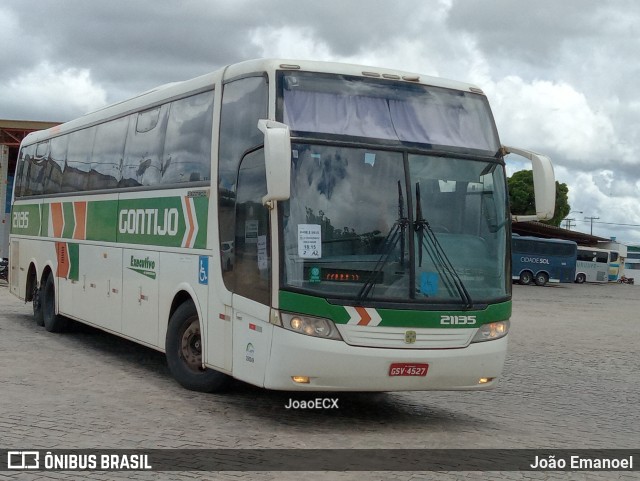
{"points": [[632, 262], [295, 225], [592, 265]]}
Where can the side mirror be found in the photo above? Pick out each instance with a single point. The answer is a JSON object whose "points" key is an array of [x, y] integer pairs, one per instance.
{"points": [[277, 159], [544, 185]]}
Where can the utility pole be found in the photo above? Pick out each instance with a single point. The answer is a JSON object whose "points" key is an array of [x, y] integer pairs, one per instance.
{"points": [[591, 219], [569, 224]]}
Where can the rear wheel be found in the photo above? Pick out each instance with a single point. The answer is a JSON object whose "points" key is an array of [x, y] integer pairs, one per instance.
{"points": [[525, 278], [541, 279], [52, 321], [184, 352], [37, 305], [580, 278]]}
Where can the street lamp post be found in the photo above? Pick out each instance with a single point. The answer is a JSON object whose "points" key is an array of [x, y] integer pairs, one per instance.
{"points": [[568, 221]]}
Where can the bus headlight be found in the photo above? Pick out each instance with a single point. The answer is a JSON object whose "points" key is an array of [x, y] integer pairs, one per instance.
{"points": [[491, 331], [311, 326]]}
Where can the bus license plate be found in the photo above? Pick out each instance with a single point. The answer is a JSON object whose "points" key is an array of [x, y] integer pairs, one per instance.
{"points": [[408, 369]]}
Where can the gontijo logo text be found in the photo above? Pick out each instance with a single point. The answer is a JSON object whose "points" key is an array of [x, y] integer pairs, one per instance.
{"points": [[149, 221]]}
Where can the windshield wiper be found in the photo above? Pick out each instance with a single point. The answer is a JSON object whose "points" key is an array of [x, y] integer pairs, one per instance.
{"points": [[396, 233], [428, 241]]}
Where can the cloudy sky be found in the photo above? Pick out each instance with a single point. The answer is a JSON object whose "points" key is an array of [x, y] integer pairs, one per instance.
{"points": [[561, 76]]}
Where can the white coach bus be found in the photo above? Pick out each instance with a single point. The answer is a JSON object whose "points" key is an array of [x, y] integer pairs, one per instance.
{"points": [[295, 225], [592, 264]]}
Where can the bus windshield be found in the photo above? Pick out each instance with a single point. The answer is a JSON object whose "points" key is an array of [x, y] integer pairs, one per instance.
{"points": [[395, 226], [387, 110]]}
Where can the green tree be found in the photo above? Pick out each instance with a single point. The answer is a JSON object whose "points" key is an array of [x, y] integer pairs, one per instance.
{"points": [[522, 198]]}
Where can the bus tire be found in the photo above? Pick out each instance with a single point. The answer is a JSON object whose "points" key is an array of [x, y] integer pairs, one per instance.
{"points": [[580, 278], [37, 306], [525, 278], [541, 279], [52, 321], [183, 349]]}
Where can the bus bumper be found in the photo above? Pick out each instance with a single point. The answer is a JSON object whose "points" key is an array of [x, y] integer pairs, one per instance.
{"points": [[336, 366]]}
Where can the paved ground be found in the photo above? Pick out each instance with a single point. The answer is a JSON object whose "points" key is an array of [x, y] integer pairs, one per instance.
{"points": [[571, 381]]}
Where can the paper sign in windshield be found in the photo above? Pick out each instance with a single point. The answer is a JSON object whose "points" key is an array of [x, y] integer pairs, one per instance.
{"points": [[429, 283], [309, 241], [263, 259]]}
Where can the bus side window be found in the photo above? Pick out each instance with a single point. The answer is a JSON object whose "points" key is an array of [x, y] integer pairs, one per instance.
{"points": [[38, 167], [108, 152], [252, 261], [244, 101], [144, 147], [57, 160], [76, 173], [24, 166], [187, 147]]}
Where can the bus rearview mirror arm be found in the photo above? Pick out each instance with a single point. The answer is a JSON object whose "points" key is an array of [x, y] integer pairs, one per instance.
{"points": [[544, 184], [277, 159]]}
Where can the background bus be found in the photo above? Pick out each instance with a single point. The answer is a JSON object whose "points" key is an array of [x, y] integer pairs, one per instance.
{"points": [[616, 264], [538, 260], [632, 262], [264, 222], [592, 265]]}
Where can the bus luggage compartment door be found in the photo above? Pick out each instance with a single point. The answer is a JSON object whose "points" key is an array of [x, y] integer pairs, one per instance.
{"points": [[140, 295]]}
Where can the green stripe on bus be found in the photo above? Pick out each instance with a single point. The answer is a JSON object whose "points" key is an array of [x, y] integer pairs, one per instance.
{"points": [[159, 221], [316, 306], [201, 205], [44, 225], [69, 220], [102, 222], [74, 261]]}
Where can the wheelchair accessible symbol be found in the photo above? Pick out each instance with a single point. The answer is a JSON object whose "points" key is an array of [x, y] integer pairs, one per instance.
{"points": [[203, 270]]}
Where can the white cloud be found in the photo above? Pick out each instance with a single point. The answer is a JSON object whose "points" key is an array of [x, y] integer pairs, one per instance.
{"points": [[601, 194], [53, 94], [287, 42], [551, 117]]}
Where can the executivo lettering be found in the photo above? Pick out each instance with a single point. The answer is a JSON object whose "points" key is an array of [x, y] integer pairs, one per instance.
{"points": [[146, 266], [149, 221]]}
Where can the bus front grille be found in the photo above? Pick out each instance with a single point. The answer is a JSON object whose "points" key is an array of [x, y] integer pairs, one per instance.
{"points": [[403, 337]]}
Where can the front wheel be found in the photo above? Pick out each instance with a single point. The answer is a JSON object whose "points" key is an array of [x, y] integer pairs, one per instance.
{"points": [[184, 352], [52, 321]]}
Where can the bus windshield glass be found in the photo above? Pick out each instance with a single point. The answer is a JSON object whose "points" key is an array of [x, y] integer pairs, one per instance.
{"points": [[395, 226], [388, 110]]}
